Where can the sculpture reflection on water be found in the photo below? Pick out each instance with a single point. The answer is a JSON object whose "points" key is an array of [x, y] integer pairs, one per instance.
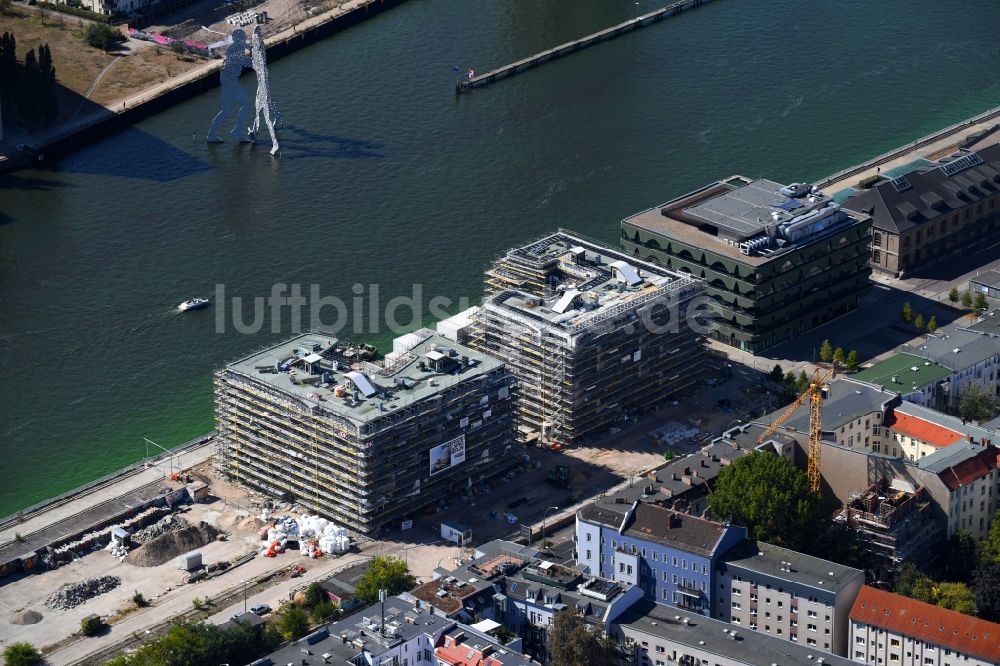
{"points": [[238, 57]]}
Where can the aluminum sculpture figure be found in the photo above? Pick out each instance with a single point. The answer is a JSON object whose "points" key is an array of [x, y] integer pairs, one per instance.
{"points": [[232, 91], [264, 103]]}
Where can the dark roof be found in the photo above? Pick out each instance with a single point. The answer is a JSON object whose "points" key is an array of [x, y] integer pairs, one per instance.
{"points": [[791, 567], [989, 278], [931, 192], [715, 637], [958, 350], [924, 622], [687, 533]]}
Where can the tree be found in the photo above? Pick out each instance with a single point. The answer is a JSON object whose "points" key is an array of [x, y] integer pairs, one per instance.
{"points": [[323, 611], [838, 356], [571, 642], [777, 374], [953, 295], [21, 654], [918, 323], [852, 362], [966, 300], [826, 352], [977, 404], [802, 383], [960, 556], [907, 579], [104, 37], [293, 623], [981, 302], [771, 498], [932, 324], [315, 595], [907, 313], [991, 545], [385, 573], [987, 585], [957, 597]]}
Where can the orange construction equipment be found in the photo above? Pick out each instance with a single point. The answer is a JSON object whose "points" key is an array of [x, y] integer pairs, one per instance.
{"points": [[814, 394]]}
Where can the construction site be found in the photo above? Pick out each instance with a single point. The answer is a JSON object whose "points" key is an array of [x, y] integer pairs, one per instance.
{"points": [[592, 335], [365, 444], [893, 521]]}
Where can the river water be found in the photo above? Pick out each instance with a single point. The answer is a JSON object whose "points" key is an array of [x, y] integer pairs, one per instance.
{"points": [[388, 178]]}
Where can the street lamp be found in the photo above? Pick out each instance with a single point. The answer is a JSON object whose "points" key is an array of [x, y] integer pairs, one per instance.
{"points": [[544, 515]]}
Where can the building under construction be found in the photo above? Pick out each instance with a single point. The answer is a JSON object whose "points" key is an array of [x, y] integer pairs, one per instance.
{"points": [[591, 334], [364, 444], [893, 522]]}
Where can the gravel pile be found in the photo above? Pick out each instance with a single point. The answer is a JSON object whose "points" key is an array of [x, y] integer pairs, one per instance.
{"points": [[74, 594], [172, 544], [25, 617], [168, 523]]}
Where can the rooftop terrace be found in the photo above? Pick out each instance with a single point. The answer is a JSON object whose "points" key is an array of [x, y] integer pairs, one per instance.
{"points": [[750, 220], [589, 282], [312, 369]]}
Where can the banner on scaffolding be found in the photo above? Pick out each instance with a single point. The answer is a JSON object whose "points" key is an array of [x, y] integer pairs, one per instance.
{"points": [[447, 455]]}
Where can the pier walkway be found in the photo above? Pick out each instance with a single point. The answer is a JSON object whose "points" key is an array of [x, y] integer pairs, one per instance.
{"points": [[577, 44]]}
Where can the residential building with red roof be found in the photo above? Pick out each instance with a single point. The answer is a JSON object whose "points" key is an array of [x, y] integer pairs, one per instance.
{"points": [[891, 630]]}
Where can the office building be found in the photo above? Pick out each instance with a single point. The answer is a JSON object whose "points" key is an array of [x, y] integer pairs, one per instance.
{"points": [[777, 261], [592, 335], [364, 444]]}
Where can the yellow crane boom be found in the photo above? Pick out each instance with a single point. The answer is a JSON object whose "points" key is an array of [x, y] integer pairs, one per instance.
{"points": [[815, 449]]}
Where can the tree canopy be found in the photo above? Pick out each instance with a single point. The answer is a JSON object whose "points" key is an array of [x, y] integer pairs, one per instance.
{"points": [[771, 498], [987, 586], [826, 351], [21, 654], [960, 556], [572, 643], [386, 573], [977, 403], [195, 644]]}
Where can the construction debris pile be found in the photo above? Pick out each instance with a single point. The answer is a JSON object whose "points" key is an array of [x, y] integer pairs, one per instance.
{"points": [[74, 594], [314, 536], [97, 539], [172, 544], [117, 549], [672, 433], [168, 523]]}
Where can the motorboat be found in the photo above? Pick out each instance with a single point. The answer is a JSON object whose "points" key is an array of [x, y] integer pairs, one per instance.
{"points": [[193, 304]]}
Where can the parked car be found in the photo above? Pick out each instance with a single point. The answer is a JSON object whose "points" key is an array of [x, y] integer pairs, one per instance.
{"points": [[261, 609]]}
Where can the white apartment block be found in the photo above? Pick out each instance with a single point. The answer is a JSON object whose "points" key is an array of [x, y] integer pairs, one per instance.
{"points": [[788, 595], [891, 630]]}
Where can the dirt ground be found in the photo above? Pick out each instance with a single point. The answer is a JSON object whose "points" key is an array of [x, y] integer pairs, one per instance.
{"points": [[139, 65]]}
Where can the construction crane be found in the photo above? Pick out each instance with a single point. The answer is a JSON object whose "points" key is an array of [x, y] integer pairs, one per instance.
{"points": [[815, 449]]}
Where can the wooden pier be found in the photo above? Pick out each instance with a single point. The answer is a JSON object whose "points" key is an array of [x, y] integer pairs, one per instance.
{"points": [[577, 45]]}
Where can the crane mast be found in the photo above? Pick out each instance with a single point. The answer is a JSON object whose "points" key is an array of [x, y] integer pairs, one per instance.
{"points": [[814, 395]]}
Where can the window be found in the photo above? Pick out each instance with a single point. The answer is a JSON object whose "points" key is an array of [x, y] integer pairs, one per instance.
{"points": [[810, 641], [655, 557], [588, 537], [812, 613], [877, 239], [643, 553], [588, 554], [737, 606], [737, 593], [704, 567], [811, 627], [614, 543], [673, 561]]}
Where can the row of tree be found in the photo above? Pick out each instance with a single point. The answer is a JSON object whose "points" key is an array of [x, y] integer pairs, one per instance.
{"points": [[917, 320], [979, 303], [970, 573], [27, 90]]}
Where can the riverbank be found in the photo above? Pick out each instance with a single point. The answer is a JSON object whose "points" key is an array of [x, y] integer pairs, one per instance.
{"points": [[51, 145]]}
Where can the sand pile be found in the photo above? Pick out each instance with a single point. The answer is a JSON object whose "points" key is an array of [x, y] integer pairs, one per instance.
{"points": [[25, 617], [173, 544], [251, 524]]}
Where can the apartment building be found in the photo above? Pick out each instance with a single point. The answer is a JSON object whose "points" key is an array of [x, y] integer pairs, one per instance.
{"points": [[783, 593], [364, 444], [888, 629], [653, 635], [933, 212], [670, 556], [916, 379], [776, 260], [404, 635], [972, 358], [591, 334], [918, 432]]}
